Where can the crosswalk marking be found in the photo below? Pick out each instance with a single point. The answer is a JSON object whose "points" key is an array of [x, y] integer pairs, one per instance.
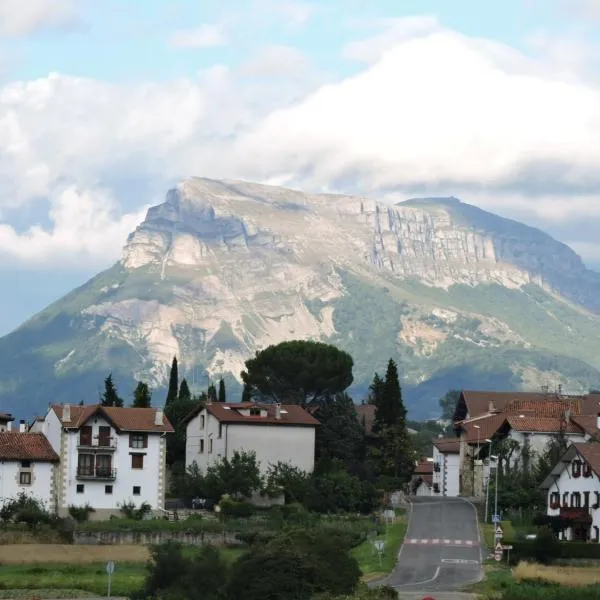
{"points": [[437, 541]]}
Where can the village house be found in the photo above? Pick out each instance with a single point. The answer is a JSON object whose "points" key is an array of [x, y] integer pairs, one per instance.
{"points": [[573, 492], [6, 420], [109, 456], [422, 479], [446, 467], [29, 465], [275, 433]]}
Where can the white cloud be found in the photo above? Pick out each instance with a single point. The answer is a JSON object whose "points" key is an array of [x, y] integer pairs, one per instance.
{"points": [[435, 112], [588, 9], [21, 17], [205, 36], [87, 228], [293, 12], [276, 61]]}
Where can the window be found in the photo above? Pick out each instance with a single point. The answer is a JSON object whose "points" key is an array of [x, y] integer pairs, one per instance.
{"points": [[576, 468], [85, 435], [25, 464], [137, 461], [554, 500], [108, 489], [210, 442], [137, 490], [138, 440], [576, 500], [587, 470], [586, 499], [565, 502], [80, 488], [255, 412], [202, 446], [104, 436], [597, 503], [85, 465], [202, 421], [104, 465], [25, 478], [220, 429]]}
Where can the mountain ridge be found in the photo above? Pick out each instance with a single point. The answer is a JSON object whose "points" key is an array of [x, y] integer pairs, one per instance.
{"points": [[460, 297]]}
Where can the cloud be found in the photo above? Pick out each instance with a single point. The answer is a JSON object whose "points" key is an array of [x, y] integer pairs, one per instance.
{"points": [[293, 12], [205, 36], [587, 9], [18, 18], [87, 228], [431, 112]]}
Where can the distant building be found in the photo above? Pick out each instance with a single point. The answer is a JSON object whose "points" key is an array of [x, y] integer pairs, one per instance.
{"points": [[422, 479], [6, 420], [108, 456], [573, 492], [29, 465], [276, 433], [446, 467]]}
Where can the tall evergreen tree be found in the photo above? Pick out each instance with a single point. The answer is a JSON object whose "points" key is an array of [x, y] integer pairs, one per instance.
{"points": [[389, 408], [142, 397], [222, 396], [211, 392], [173, 383], [375, 390], [184, 390], [110, 397]]}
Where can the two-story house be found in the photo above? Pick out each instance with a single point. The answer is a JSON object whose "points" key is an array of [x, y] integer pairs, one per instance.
{"points": [[29, 465], [108, 456], [573, 491], [446, 467], [275, 433]]}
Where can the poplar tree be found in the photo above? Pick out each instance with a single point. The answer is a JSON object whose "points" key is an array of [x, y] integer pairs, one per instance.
{"points": [[222, 395], [173, 383]]}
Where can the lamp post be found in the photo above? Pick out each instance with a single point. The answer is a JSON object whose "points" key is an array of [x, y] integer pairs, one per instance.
{"points": [[497, 459], [476, 457], [487, 481]]}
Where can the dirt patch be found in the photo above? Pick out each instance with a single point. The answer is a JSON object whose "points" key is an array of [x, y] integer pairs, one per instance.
{"points": [[421, 336], [24, 554]]}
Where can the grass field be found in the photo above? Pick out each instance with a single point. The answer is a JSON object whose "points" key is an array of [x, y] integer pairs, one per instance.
{"points": [[565, 576], [60, 568]]}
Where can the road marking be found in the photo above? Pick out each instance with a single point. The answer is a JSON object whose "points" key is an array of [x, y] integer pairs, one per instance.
{"points": [[459, 561], [446, 541], [423, 541], [437, 541], [469, 542]]}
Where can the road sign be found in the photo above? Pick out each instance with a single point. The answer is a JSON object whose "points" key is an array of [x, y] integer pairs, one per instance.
{"points": [[507, 547], [495, 518], [498, 547], [110, 567], [498, 533], [379, 545], [498, 556]]}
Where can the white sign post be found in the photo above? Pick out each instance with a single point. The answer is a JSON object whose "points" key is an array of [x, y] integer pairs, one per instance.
{"points": [[379, 546], [110, 569], [498, 552]]}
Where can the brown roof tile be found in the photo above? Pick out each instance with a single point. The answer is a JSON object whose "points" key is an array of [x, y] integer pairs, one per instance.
{"points": [[588, 423], [424, 467], [291, 414], [123, 419], [480, 429], [541, 424], [590, 452], [26, 446], [447, 445]]}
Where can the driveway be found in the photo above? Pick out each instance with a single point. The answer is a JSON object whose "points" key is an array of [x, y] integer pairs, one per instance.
{"points": [[441, 550]]}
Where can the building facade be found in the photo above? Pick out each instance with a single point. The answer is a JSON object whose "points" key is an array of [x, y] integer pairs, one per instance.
{"points": [[275, 433], [446, 467], [573, 492], [108, 457], [28, 465]]}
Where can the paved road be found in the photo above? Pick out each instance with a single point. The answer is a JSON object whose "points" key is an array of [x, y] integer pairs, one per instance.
{"points": [[441, 550]]}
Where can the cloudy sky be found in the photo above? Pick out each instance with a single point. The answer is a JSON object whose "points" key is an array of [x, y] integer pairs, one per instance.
{"points": [[104, 105]]}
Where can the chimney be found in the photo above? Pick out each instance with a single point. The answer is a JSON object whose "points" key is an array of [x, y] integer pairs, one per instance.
{"points": [[560, 389], [9, 426], [545, 389], [278, 411], [66, 413], [22, 426], [158, 416], [598, 421], [491, 407]]}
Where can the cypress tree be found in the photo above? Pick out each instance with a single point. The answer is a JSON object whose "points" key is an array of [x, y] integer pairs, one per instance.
{"points": [[142, 397], [110, 397], [211, 392], [173, 383], [184, 390], [222, 396]]}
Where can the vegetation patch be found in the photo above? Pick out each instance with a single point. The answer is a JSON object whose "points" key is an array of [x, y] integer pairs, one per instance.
{"points": [[565, 576]]}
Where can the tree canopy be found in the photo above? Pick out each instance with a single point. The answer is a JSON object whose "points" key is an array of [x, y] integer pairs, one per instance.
{"points": [[110, 397], [298, 372], [142, 397], [173, 390]]}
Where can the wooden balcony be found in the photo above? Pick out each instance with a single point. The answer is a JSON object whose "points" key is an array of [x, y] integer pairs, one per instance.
{"points": [[97, 474]]}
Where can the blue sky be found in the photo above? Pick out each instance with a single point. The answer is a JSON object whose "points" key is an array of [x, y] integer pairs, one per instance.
{"points": [[103, 105]]}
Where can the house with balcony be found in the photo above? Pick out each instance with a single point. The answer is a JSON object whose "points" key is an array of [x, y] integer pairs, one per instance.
{"points": [[446, 467], [29, 465], [274, 432], [573, 492], [109, 456]]}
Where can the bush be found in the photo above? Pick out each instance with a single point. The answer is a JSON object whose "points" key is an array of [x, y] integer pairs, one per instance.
{"points": [[524, 550], [233, 508], [130, 511], [81, 513], [546, 547]]}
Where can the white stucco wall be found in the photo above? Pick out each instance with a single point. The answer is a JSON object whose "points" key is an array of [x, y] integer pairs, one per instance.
{"points": [[566, 483], [52, 429], [538, 442], [425, 490], [41, 487], [271, 443], [150, 478], [448, 475]]}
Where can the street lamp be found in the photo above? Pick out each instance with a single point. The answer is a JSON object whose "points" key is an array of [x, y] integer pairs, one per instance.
{"points": [[487, 481], [475, 457], [496, 486]]}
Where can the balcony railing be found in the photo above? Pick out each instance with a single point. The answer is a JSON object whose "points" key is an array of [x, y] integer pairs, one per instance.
{"points": [[108, 444], [98, 473]]}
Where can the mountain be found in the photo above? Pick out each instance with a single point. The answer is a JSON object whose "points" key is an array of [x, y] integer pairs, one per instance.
{"points": [[458, 296]]}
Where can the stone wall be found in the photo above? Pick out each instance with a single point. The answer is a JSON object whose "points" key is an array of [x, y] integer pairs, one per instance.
{"points": [[192, 538]]}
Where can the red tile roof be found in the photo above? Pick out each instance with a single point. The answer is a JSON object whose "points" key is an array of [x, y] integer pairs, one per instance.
{"points": [[424, 467], [123, 419], [291, 414], [26, 446], [447, 445], [588, 423], [542, 424], [590, 452], [480, 429]]}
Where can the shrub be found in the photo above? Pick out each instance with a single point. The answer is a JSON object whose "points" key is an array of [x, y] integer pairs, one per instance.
{"points": [[81, 513], [130, 511], [233, 508], [546, 547]]}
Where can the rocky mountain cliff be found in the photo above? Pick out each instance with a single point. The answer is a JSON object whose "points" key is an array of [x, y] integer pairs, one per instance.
{"points": [[458, 296]]}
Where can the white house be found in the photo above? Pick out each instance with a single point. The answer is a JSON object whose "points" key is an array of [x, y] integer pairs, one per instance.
{"points": [[573, 488], [276, 433], [108, 456], [446, 467], [6, 420], [28, 464], [422, 481]]}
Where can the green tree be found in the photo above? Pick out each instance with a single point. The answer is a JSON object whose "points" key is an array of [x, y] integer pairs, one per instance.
{"points": [[184, 391], [222, 397], [389, 408], [173, 390], [340, 436], [211, 393], [110, 397], [298, 372], [448, 403], [375, 390], [290, 479], [176, 411], [142, 397], [239, 477]]}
